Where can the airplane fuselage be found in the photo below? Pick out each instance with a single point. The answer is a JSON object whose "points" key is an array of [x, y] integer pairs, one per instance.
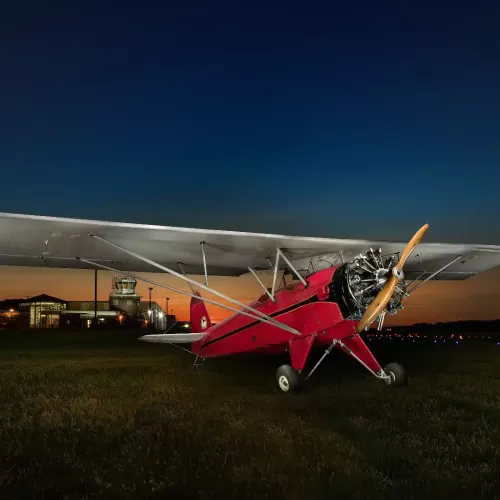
{"points": [[304, 309], [310, 310]]}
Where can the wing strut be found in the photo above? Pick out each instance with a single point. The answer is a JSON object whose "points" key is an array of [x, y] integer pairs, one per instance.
{"points": [[204, 262], [203, 287], [261, 284], [275, 272], [184, 273], [279, 254], [432, 275]]}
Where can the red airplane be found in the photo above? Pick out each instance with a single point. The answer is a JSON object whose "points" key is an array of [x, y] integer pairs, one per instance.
{"points": [[317, 309], [340, 287]]}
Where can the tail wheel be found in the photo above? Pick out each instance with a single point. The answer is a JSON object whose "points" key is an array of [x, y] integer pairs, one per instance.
{"points": [[397, 374], [288, 379]]}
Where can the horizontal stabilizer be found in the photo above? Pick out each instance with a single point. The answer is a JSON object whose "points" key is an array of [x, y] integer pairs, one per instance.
{"points": [[173, 338]]}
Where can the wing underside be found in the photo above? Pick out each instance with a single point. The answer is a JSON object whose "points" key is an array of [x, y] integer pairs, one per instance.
{"points": [[39, 241]]}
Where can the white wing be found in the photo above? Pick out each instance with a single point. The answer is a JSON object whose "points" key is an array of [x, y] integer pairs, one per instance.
{"points": [[29, 240]]}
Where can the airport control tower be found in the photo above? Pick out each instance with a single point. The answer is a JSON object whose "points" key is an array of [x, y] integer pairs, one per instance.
{"points": [[123, 295]]}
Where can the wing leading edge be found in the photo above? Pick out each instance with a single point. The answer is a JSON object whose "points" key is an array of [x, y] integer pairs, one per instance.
{"points": [[41, 241]]}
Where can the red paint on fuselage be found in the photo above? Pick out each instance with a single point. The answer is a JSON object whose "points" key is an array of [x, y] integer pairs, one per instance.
{"points": [[298, 307], [306, 309]]}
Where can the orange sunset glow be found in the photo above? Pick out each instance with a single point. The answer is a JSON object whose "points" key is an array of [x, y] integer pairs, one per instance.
{"points": [[477, 298]]}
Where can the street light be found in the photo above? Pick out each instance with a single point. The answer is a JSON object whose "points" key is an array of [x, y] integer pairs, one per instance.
{"points": [[150, 311], [166, 313]]}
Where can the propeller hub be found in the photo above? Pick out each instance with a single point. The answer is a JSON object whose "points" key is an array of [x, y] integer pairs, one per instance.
{"points": [[398, 273]]}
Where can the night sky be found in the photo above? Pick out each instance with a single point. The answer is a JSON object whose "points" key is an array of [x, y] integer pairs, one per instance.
{"points": [[301, 118]]}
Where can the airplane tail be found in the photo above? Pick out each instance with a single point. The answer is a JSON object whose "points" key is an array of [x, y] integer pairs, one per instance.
{"points": [[200, 320]]}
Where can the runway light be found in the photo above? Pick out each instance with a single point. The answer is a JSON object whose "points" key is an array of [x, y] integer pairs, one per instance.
{"points": [[435, 341], [457, 342]]}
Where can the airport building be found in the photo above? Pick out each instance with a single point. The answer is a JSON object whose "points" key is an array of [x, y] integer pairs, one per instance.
{"points": [[41, 311], [124, 308]]}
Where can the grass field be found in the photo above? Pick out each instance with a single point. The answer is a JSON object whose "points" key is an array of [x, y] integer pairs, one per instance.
{"points": [[103, 415]]}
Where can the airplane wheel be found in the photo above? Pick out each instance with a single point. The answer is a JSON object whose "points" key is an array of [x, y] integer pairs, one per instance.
{"points": [[398, 375], [288, 379]]}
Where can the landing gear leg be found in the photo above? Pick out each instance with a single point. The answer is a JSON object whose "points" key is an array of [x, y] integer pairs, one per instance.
{"points": [[289, 378], [326, 353]]}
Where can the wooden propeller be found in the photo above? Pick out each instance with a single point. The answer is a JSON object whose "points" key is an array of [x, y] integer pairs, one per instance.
{"points": [[383, 297]]}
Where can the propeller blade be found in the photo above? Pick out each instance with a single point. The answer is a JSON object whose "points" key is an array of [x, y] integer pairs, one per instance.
{"points": [[378, 304], [411, 245], [383, 297]]}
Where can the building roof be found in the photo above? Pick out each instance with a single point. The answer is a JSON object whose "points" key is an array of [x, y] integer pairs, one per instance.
{"points": [[44, 298]]}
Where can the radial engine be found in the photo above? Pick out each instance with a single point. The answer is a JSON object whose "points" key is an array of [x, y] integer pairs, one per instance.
{"points": [[356, 283]]}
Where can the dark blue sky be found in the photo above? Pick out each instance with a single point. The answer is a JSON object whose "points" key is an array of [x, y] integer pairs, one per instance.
{"points": [[311, 119]]}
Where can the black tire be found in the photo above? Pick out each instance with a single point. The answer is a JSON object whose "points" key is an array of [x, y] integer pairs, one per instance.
{"points": [[398, 375], [288, 379]]}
